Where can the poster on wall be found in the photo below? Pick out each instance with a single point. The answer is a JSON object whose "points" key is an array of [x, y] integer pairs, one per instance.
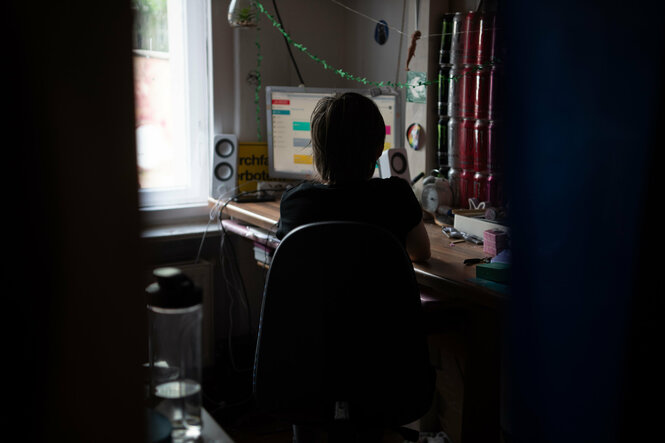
{"points": [[416, 91]]}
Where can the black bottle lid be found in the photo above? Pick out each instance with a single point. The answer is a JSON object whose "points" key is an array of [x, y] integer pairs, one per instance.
{"points": [[173, 289]]}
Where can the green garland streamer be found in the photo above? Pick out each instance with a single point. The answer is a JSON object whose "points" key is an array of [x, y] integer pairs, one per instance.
{"points": [[345, 75], [348, 76], [257, 90]]}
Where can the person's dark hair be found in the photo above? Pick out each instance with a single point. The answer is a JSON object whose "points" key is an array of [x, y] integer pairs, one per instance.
{"points": [[348, 134]]}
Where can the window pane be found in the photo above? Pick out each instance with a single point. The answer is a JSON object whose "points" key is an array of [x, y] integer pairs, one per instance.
{"points": [[172, 101], [153, 87], [150, 25]]}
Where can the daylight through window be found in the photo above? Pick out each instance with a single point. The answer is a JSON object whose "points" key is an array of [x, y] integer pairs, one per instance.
{"points": [[171, 98]]}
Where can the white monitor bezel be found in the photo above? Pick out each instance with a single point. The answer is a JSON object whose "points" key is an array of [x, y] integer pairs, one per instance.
{"points": [[371, 92]]}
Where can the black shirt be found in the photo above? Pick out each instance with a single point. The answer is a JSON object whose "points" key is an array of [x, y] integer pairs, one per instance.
{"points": [[389, 203]]}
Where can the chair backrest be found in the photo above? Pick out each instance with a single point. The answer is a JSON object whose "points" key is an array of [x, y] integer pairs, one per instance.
{"points": [[341, 321]]}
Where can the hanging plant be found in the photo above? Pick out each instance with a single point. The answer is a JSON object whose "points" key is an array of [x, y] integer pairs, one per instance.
{"points": [[242, 14]]}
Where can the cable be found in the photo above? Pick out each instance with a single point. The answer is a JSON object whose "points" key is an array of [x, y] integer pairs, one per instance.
{"points": [[399, 31], [231, 270], [198, 254], [288, 46], [268, 239], [233, 281], [368, 17], [216, 212], [212, 216], [234, 284]]}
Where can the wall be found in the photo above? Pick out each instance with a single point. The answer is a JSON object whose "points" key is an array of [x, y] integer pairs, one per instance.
{"points": [[341, 37], [331, 32]]}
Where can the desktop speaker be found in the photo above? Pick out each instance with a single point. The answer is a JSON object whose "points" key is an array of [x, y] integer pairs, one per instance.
{"points": [[224, 165], [393, 162]]}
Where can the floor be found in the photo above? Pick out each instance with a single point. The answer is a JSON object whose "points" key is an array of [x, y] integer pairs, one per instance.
{"points": [[252, 428], [236, 414], [245, 425], [249, 427]]}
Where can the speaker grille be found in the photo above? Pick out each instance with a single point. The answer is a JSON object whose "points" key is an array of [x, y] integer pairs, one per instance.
{"points": [[224, 147], [398, 163], [223, 171], [225, 159]]}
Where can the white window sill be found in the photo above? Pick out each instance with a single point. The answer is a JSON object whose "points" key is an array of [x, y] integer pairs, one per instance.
{"points": [[186, 221]]}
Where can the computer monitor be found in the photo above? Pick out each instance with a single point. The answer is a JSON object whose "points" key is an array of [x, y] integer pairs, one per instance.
{"points": [[289, 110]]}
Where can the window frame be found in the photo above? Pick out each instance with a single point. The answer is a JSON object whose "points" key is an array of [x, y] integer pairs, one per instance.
{"points": [[189, 50]]}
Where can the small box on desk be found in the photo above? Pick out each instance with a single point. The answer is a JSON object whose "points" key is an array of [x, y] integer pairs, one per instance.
{"points": [[477, 225], [496, 272], [494, 241]]}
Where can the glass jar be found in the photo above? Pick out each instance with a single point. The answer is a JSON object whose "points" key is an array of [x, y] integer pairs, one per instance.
{"points": [[243, 14], [174, 347]]}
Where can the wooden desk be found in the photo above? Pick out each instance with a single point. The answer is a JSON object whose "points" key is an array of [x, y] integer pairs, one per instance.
{"points": [[444, 273], [449, 298]]}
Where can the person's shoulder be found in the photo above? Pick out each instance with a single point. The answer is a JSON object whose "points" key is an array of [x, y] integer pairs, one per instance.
{"points": [[390, 183], [395, 189], [300, 189]]}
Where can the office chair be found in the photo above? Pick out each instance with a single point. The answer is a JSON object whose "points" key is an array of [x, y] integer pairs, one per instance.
{"points": [[341, 346]]}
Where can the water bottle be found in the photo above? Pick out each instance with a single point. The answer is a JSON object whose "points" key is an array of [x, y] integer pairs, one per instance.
{"points": [[174, 347]]}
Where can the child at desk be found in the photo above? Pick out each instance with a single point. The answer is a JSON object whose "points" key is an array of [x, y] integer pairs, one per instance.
{"points": [[348, 136]]}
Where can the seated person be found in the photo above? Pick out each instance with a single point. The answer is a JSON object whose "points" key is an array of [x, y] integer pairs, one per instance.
{"points": [[348, 136]]}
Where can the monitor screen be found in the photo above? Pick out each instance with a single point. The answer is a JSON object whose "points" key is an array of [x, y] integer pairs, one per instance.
{"points": [[289, 110]]}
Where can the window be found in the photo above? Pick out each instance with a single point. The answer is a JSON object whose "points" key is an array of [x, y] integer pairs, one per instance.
{"points": [[171, 83]]}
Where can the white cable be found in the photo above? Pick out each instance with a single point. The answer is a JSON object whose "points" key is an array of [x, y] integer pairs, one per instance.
{"points": [[365, 16], [231, 290], [401, 32], [216, 212]]}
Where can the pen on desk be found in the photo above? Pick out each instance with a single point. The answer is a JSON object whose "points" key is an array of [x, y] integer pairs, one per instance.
{"points": [[473, 261]]}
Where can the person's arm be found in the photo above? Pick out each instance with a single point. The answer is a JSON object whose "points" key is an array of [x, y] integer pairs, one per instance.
{"points": [[417, 243]]}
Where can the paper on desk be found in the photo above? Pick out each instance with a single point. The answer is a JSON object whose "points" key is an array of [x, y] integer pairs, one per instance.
{"points": [[502, 257]]}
